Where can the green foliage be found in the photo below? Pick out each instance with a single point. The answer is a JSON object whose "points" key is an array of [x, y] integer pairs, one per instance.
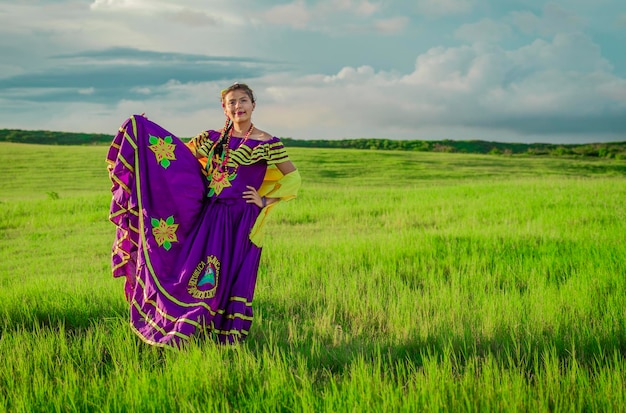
{"points": [[615, 150], [608, 150], [53, 138], [397, 281]]}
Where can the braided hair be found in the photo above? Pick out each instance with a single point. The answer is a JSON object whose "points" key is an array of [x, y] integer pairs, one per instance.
{"points": [[218, 148]]}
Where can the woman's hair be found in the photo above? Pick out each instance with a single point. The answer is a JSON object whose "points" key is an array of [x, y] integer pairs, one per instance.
{"points": [[238, 86]]}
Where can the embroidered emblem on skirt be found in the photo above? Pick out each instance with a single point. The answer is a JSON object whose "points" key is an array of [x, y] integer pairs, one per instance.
{"points": [[203, 282]]}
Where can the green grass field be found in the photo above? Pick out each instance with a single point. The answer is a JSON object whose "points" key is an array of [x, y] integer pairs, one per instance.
{"points": [[397, 281]]}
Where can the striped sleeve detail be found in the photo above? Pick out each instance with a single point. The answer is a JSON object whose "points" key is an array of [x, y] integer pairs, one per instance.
{"points": [[203, 142], [276, 152], [272, 152]]}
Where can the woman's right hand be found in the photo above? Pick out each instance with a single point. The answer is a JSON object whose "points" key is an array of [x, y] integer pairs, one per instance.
{"points": [[252, 197]]}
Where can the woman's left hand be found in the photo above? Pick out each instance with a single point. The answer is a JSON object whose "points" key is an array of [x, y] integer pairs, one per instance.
{"points": [[252, 197]]}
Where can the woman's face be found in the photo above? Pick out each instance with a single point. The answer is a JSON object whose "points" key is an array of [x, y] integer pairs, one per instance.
{"points": [[238, 106]]}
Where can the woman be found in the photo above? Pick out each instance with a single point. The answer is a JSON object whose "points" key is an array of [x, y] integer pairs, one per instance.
{"points": [[190, 221]]}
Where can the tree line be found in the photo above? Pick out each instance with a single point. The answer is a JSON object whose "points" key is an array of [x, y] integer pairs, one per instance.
{"points": [[616, 150]]}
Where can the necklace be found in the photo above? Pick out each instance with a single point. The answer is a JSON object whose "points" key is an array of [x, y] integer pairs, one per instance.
{"points": [[220, 178]]}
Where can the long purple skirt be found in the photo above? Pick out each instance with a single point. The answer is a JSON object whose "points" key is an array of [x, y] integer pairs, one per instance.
{"points": [[189, 265]]}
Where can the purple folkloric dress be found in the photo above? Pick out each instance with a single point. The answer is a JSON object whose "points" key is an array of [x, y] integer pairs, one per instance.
{"points": [[183, 247]]}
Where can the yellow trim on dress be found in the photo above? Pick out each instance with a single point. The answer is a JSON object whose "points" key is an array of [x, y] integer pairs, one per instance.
{"points": [[275, 185]]}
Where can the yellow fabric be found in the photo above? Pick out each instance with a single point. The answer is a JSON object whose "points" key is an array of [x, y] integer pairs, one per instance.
{"points": [[192, 147], [275, 185]]}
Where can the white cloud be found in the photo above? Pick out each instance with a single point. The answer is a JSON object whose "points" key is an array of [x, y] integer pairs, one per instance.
{"points": [[294, 14], [359, 7], [350, 74], [189, 13], [566, 52], [116, 4], [366, 8], [391, 25], [87, 91], [197, 18], [323, 15], [554, 20], [469, 89]]}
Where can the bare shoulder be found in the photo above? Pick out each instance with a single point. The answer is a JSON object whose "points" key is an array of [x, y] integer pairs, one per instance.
{"points": [[261, 135]]}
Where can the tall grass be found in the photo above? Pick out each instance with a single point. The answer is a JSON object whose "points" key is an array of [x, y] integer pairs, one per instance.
{"points": [[396, 282]]}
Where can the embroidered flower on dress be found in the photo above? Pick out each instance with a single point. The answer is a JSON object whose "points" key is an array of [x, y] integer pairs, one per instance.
{"points": [[163, 150], [164, 231], [219, 181]]}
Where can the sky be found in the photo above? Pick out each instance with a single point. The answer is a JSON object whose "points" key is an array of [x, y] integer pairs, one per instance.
{"points": [[503, 70]]}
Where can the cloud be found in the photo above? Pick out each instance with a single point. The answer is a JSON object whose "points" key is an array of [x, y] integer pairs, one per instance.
{"points": [[110, 74], [392, 25], [65, 26], [115, 4], [195, 18], [366, 8], [295, 15], [554, 20], [566, 53], [359, 7], [139, 6], [87, 91], [334, 16], [187, 13], [129, 54], [475, 90]]}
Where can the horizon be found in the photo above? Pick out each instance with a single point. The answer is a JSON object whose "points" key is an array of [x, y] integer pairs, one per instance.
{"points": [[337, 139]]}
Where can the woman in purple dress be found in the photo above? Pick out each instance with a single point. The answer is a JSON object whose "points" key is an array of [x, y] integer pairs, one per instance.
{"points": [[190, 221]]}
